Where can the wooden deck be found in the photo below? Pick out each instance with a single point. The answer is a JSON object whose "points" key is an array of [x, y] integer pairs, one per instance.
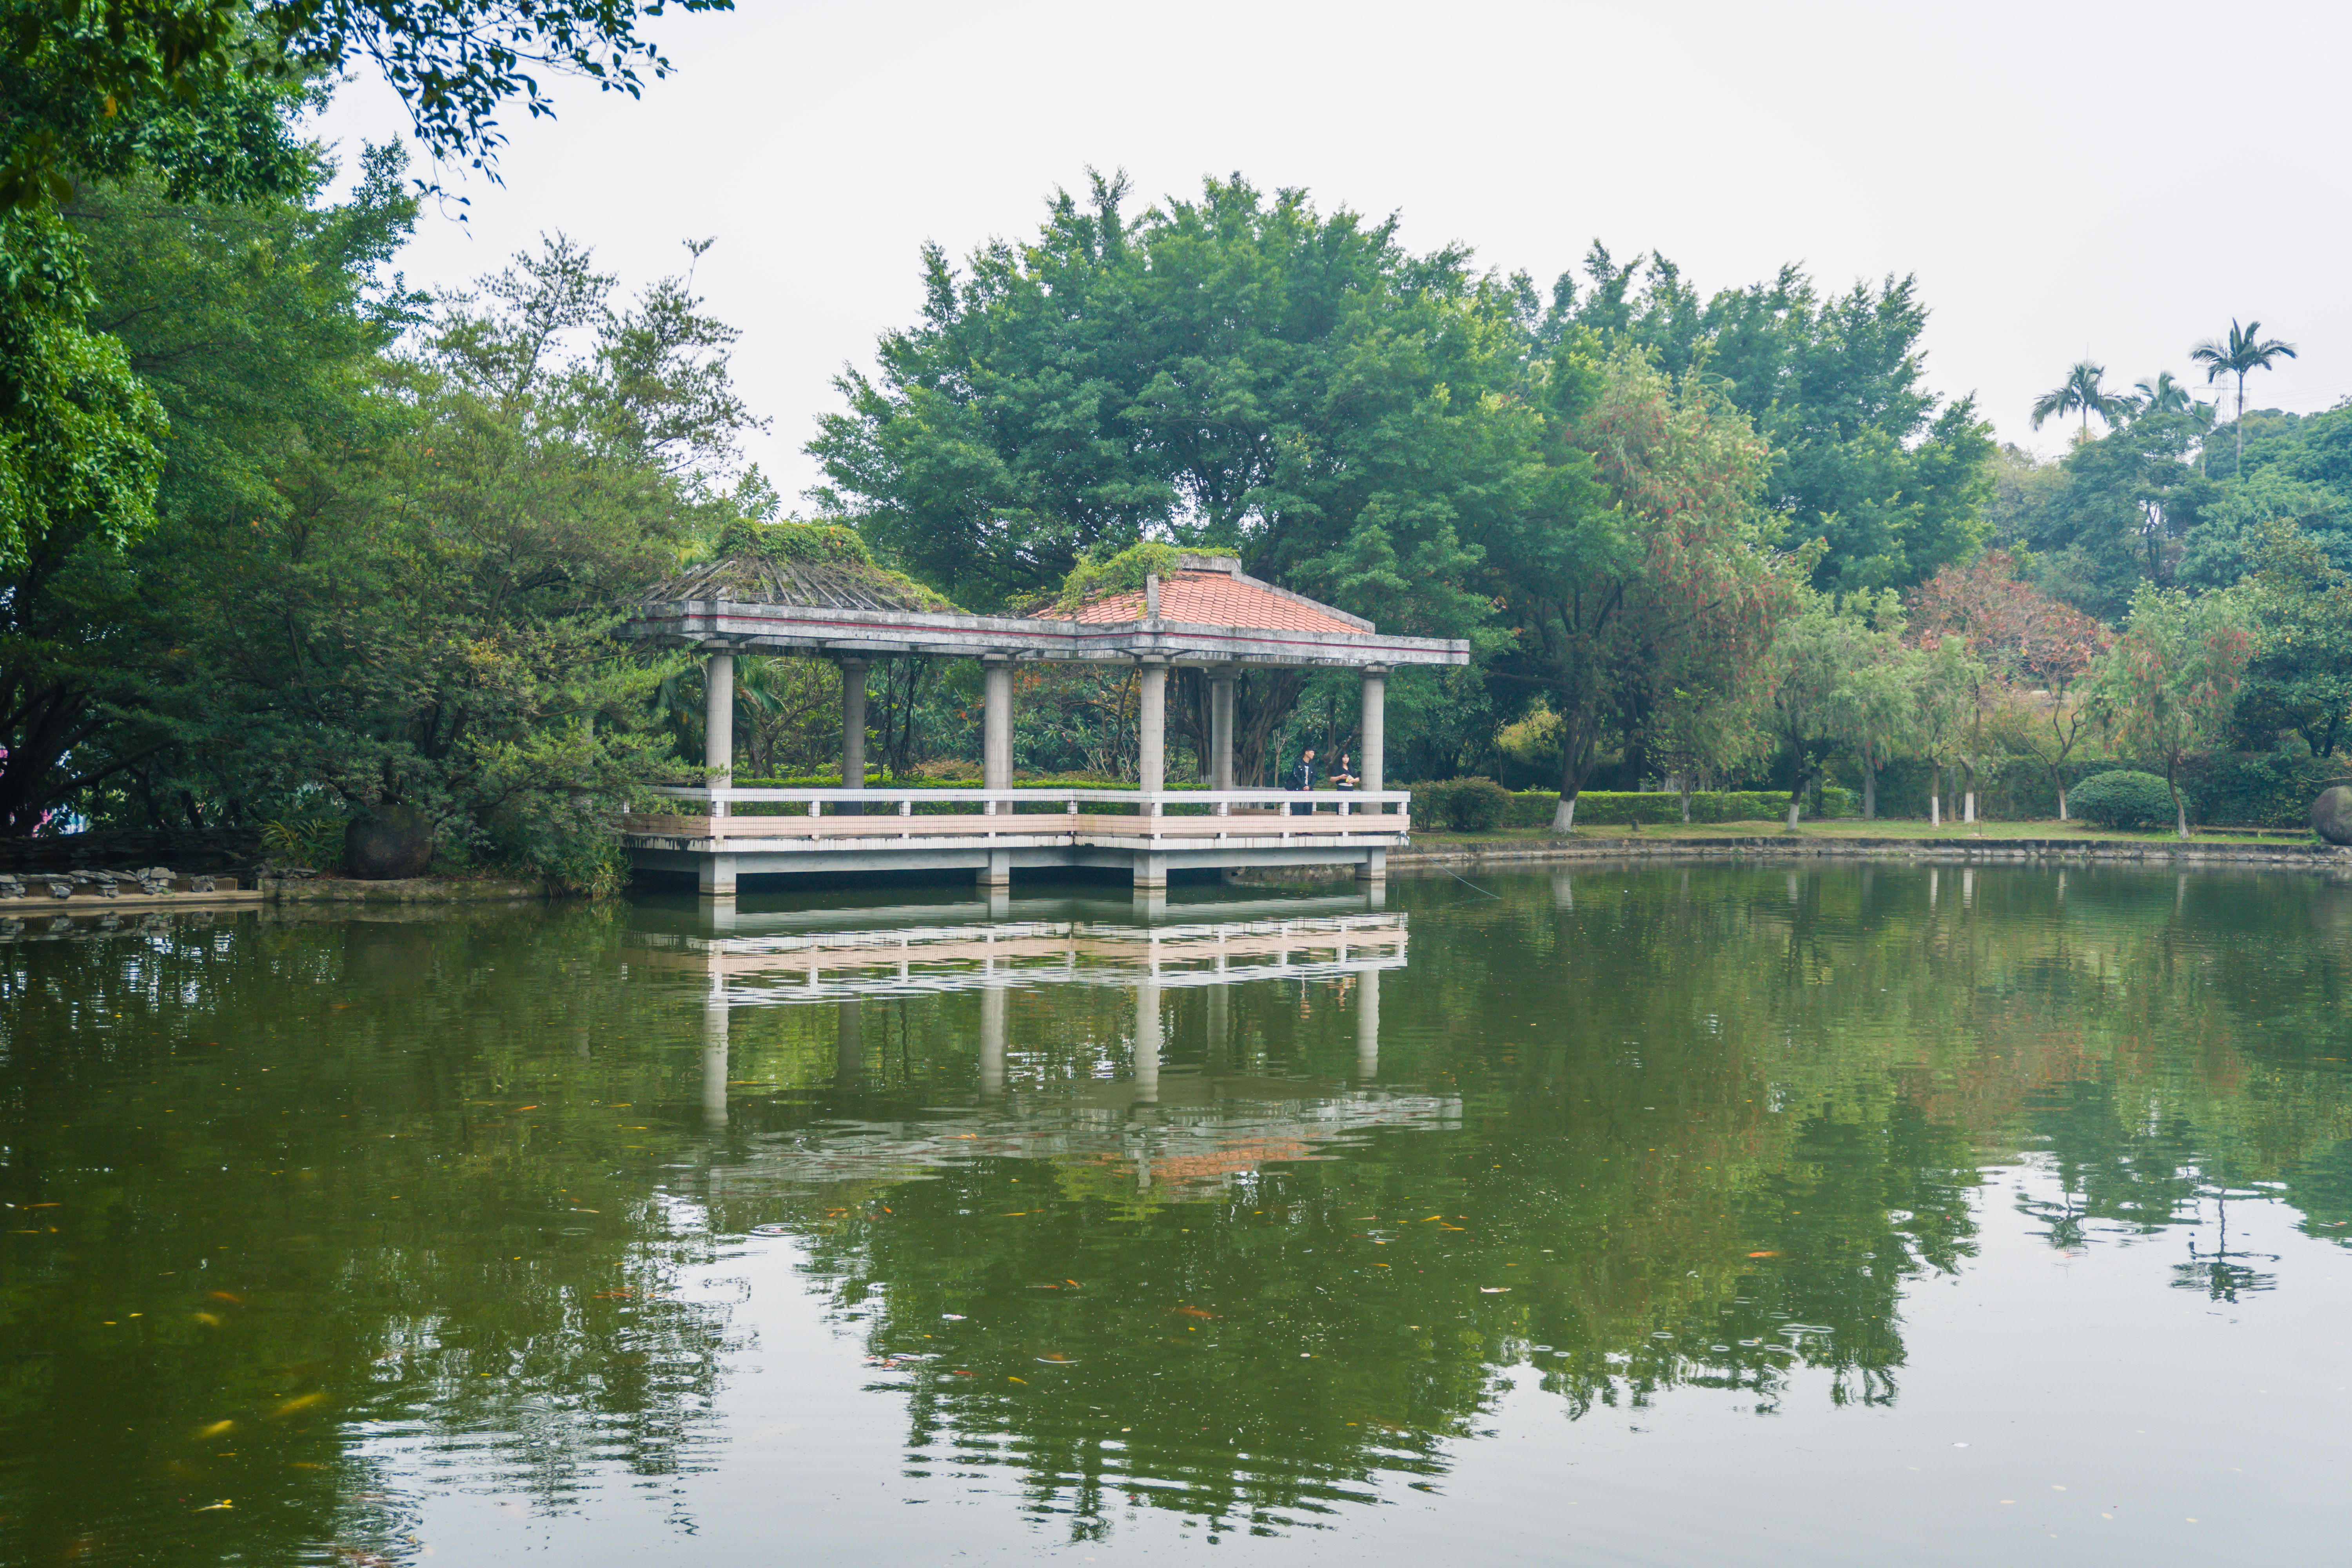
{"points": [[788, 830]]}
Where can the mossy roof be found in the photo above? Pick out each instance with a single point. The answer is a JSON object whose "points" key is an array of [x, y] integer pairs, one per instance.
{"points": [[823, 565]]}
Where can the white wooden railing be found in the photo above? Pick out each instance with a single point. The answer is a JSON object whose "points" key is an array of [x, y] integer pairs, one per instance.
{"points": [[1220, 813], [1220, 802]]}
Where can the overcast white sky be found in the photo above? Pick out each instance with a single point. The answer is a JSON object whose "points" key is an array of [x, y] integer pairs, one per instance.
{"points": [[2109, 180]]}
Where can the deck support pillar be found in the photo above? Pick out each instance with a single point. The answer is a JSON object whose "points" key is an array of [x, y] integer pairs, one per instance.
{"points": [[997, 872], [715, 877], [853, 729], [1221, 727], [718, 725], [1150, 873], [1367, 1023], [1372, 733], [1373, 866], [996, 726]]}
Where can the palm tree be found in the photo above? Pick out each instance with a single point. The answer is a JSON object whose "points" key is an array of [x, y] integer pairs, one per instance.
{"points": [[2243, 352], [2162, 396], [2080, 392]]}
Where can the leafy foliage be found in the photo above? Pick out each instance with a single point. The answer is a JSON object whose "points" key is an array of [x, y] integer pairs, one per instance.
{"points": [[1864, 457], [108, 88]]}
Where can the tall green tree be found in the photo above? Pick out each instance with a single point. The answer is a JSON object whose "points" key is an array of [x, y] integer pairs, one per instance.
{"points": [[2243, 351], [2300, 676], [2172, 678], [248, 329], [1662, 582], [1865, 456], [1238, 370]]}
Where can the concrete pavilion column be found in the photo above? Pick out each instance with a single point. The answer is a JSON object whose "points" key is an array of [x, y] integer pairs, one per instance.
{"points": [[1371, 759], [1151, 730], [852, 728], [1368, 1024], [719, 721], [1221, 727], [996, 724]]}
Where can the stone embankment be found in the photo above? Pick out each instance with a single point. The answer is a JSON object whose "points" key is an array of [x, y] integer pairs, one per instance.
{"points": [[149, 887], [2303, 856], [314, 889]]}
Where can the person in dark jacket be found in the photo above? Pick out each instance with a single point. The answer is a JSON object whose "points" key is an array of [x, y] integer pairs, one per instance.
{"points": [[1302, 778]]}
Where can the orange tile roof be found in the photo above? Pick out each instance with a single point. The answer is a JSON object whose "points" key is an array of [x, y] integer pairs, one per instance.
{"points": [[1215, 599]]}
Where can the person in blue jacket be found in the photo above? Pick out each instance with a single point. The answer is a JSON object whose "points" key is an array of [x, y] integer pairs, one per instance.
{"points": [[1303, 778]]}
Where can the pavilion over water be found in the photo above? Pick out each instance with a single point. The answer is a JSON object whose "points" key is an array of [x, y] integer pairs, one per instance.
{"points": [[835, 603]]}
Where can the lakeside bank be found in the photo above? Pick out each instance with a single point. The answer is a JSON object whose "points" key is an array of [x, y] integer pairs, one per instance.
{"points": [[1979, 850]]}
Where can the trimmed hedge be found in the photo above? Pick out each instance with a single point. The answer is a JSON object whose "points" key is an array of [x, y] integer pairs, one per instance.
{"points": [[2222, 789], [2123, 798], [1462, 806], [1621, 808]]}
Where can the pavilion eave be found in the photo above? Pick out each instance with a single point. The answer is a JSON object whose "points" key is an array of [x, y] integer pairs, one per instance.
{"points": [[799, 629]]}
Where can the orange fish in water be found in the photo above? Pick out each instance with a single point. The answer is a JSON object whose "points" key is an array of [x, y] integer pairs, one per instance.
{"points": [[1190, 1312], [1763, 1255], [225, 1296], [299, 1402]]}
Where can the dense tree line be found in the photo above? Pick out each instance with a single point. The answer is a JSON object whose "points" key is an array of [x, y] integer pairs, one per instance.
{"points": [[289, 542]]}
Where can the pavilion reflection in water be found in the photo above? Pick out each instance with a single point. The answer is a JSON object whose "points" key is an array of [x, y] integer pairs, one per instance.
{"points": [[1180, 1132]]}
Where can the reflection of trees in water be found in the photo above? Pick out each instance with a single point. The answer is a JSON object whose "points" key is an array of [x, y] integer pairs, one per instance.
{"points": [[1665, 1075], [296, 1193], [1705, 1127]]}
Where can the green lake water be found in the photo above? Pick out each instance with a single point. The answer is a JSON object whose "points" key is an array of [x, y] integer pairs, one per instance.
{"points": [[1719, 1214]]}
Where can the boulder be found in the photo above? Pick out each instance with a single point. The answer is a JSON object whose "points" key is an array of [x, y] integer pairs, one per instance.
{"points": [[396, 842], [2331, 815]]}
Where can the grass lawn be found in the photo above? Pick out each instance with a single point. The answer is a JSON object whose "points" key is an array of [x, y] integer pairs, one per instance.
{"points": [[1423, 838]]}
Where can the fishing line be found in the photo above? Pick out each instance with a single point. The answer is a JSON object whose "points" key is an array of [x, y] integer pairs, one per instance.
{"points": [[1471, 885]]}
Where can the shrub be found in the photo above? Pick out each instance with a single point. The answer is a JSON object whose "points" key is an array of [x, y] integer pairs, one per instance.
{"points": [[1462, 806], [2123, 799]]}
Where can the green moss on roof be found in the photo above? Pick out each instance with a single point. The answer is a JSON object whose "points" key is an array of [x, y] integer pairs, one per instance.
{"points": [[1096, 577], [824, 564]]}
